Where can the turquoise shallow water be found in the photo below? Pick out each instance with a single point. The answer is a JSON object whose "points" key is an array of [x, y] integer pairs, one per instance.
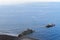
{"points": [[16, 18]]}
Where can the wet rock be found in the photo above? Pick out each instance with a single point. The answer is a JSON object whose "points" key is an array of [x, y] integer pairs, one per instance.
{"points": [[8, 37], [50, 25], [28, 31], [19, 37]]}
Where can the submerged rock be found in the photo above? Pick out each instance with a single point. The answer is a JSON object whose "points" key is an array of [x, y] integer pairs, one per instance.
{"points": [[50, 25]]}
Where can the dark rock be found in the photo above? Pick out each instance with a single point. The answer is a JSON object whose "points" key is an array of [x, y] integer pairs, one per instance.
{"points": [[8, 37], [19, 37], [50, 25], [28, 31]]}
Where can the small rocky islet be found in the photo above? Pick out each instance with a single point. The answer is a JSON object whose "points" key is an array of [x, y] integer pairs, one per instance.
{"points": [[49, 25]]}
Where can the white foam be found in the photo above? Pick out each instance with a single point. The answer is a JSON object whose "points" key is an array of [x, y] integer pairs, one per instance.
{"points": [[8, 34]]}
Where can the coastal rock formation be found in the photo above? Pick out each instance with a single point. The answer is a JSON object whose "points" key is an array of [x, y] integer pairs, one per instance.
{"points": [[19, 37], [28, 31]]}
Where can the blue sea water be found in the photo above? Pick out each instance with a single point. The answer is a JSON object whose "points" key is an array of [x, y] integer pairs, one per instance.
{"points": [[16, 18]]}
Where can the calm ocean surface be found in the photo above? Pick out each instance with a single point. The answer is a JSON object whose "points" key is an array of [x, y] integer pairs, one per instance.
{"points": [[16, 18]]}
